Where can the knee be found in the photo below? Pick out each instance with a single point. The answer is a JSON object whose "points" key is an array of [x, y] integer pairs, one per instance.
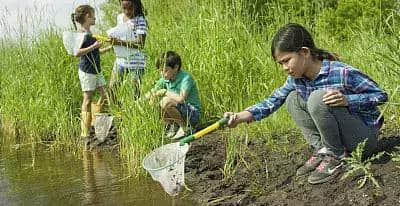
{"points": [[166, 103], [315, 105], [292, 101]]}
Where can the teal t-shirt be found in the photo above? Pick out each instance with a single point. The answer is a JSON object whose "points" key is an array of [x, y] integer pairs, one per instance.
{"points": [[183, 81]]}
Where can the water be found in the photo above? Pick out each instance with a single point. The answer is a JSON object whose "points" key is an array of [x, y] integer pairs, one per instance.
{"points": [[34, 176], [25, 19]]}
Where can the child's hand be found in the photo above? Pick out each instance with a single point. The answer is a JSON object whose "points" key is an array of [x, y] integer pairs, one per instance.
{"points": [[153, 95], [96, 45], [160, 92], [335, 98], [236, 118], [232, 117]]}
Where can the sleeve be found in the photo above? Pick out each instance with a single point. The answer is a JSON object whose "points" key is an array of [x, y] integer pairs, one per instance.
{"points": [[120, 18], [187, 83], [273, 102], [85, 42], [141, 26], [160, 85], [365, 92]]}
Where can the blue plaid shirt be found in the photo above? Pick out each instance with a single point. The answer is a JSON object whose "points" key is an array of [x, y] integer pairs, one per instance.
{"points": [[362, 93]]}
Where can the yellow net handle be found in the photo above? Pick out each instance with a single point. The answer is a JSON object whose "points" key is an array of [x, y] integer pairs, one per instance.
{"points": [[101, 38]]}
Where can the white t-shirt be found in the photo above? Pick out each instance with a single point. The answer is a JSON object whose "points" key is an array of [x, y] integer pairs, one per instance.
{"points": [[130, 31]]}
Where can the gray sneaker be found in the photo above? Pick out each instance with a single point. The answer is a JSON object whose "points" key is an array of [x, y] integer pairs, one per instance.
{"points": [[310, 164], [327, 170]]}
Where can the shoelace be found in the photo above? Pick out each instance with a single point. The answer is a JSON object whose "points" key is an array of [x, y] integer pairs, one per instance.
{"points": [[309, 161]]}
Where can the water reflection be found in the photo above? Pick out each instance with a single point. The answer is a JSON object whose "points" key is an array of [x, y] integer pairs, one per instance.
{"points": [[31, 175], [98, 179]]}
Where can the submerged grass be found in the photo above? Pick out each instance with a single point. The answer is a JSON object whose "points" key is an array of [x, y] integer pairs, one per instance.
{"points": [[221, 44]]}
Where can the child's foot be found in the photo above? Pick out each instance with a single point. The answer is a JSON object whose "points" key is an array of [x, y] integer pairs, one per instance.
{"points": [[310, 165], [327, 170]]}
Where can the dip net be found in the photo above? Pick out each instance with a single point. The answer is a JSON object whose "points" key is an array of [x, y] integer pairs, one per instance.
{"points": [[166, 165], [102, 126], [73, 41]]}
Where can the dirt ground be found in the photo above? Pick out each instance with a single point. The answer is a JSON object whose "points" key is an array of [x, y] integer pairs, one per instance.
{"points": [[265, 177]]}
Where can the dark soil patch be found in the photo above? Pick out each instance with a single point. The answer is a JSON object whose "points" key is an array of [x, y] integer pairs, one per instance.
{"points": [[265, 177], [108, 143]]}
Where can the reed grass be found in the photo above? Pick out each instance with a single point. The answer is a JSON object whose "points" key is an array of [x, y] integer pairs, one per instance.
{"points": [[224, 44]]}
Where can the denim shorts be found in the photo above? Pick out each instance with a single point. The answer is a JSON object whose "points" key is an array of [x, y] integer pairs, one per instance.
{"points": [[189, 112]]}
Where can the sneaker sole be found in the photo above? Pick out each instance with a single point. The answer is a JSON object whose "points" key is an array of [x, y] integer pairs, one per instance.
{"points": [[303, 174], [326, 179]]}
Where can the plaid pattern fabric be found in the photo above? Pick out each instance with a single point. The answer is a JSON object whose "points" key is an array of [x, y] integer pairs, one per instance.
{"points": [[362, 93]]}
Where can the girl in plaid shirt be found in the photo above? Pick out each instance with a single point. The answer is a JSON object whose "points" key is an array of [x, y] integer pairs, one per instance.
{"points": [[334, 104]]}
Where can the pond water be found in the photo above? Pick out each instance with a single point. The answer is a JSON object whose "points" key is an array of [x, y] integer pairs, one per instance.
{"points": [[34, 176]]}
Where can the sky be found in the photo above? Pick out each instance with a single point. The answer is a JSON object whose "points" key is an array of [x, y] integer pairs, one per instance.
{"points": [[19, 16]]}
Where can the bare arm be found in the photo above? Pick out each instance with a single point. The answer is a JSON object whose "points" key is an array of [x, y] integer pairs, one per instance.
{"points": [[138, 44], [84, 51], [237, 118], [105, 49], [179, 98]]}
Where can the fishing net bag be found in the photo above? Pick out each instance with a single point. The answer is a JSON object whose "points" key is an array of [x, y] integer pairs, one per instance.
{"points": [[166, 165], [73, 41], [102, 126]]}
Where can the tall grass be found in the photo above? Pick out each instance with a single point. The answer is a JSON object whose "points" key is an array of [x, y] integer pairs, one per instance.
{"points": [[222, 43]]}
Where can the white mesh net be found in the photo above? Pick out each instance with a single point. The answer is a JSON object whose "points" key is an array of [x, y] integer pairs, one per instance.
{"points": [[73, 41], [166, 165], [102, 126]]}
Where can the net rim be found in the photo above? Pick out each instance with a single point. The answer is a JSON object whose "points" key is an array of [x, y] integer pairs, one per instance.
{"points": [[147, 157]]}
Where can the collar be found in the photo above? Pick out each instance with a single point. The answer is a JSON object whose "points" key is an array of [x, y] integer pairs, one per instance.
{"points": [[325, 67]]}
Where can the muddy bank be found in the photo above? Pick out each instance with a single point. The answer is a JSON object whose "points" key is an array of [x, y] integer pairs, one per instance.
{"points": [[265, 177]]}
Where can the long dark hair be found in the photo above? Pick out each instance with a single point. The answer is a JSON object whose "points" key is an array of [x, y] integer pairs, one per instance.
{"points": [[80, 13], [139, 10], [292, 37]]}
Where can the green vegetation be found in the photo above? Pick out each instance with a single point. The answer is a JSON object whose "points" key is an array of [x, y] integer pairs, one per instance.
{"points": [[396, 156], [356, 165], [224, 44]]}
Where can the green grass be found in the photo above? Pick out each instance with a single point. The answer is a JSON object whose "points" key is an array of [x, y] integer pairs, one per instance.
{"points": [[221, 44], [357, 165]]}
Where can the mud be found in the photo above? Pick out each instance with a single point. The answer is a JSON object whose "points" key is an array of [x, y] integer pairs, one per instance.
{"points": [[106, 144], [266, 177]]}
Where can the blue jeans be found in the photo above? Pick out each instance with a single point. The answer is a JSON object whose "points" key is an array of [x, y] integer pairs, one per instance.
{"points": [[189, 113]]}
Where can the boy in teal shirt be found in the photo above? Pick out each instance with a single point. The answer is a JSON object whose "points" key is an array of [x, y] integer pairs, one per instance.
{"points": [[180, 102]]}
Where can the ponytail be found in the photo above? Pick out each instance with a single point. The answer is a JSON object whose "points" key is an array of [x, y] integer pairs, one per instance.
{"points": [[322, 54], [73, 21]]}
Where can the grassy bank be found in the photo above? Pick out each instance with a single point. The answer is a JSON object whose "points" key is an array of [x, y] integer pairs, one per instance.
{"points": [[225, 44]]}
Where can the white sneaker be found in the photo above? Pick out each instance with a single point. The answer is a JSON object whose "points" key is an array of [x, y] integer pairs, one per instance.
{"points": [[171, 131], [180, 133]]}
